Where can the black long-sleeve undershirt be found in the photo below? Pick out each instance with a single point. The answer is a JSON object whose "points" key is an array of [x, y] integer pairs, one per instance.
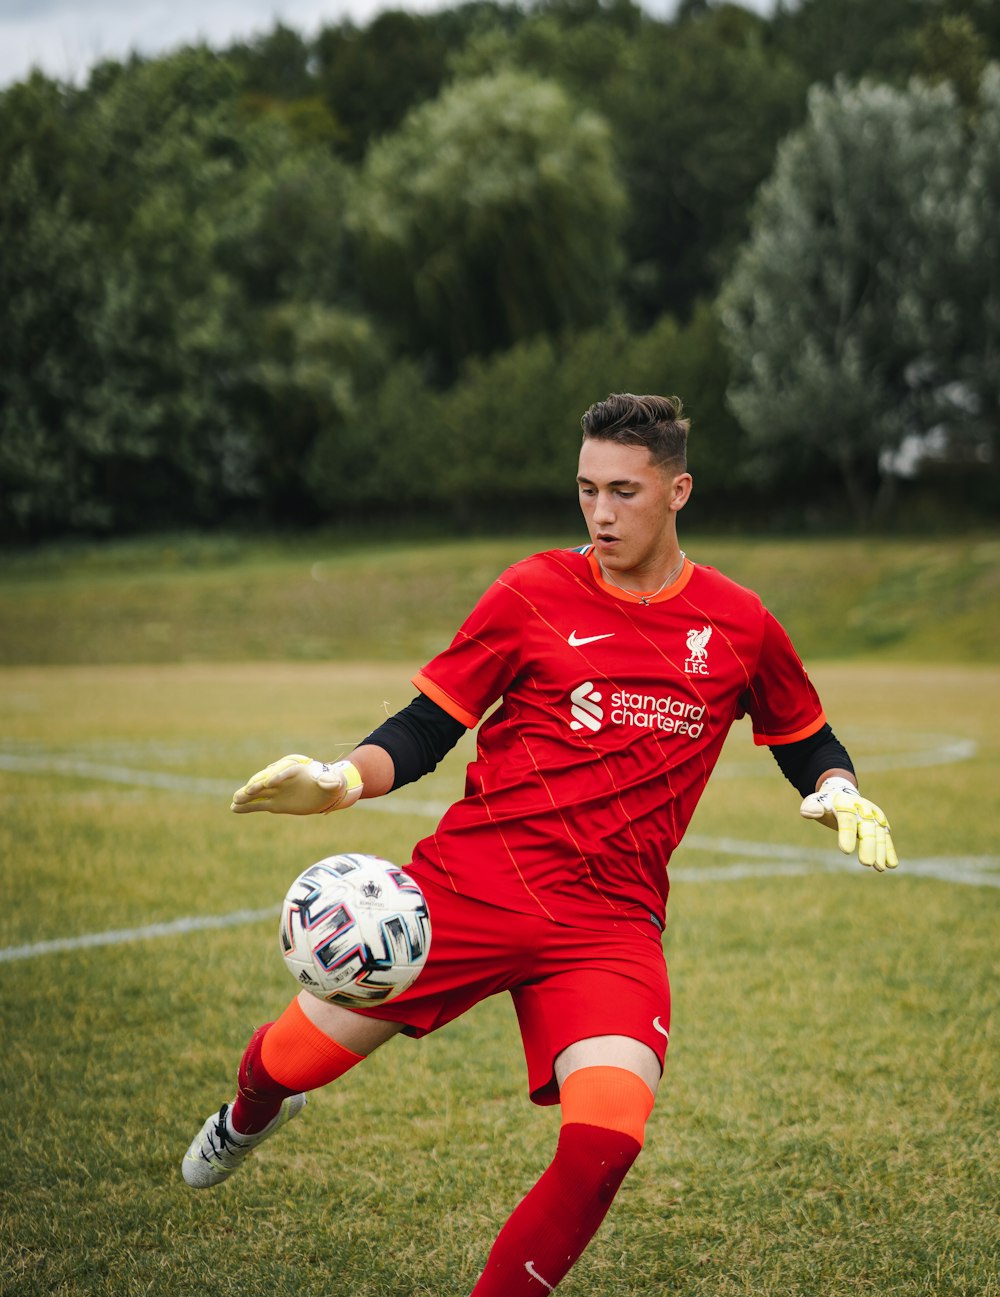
{"points": [[803, 762], [416, 738], [420, 735]]}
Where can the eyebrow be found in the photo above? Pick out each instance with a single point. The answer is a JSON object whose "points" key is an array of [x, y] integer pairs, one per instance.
{"points": [[619, 481]]}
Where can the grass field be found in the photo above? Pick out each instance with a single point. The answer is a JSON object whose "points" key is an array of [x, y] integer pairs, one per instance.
{"points": [[226, 599], [828, 1121]]}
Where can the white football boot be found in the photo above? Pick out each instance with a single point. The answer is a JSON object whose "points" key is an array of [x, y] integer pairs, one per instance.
{"points": [[217, 1150]]}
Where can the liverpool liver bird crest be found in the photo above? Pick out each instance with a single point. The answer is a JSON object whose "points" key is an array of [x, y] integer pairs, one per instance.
{"points": [[696, 641]]}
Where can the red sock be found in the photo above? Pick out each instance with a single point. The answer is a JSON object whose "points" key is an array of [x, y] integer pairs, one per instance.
{"points": [[604, 1112], [558, 1218], [284, 1058], [258, 1094]]}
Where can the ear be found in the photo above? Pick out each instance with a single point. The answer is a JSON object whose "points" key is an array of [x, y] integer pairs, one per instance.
{"points": [[680, 491]]}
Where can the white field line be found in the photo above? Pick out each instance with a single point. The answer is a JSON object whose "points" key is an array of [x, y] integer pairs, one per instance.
{"points": [[118, 936], [928, 750], [80, 768], [755, 859]]}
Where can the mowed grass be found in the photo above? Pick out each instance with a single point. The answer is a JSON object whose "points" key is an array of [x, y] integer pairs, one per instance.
{"points": [[827, 1124]]}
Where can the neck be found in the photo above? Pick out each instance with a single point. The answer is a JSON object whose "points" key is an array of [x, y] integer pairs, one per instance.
{"points": [[645, 588]]}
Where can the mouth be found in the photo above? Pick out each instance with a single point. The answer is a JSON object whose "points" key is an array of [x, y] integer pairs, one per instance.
{"points": [[605, 539]]}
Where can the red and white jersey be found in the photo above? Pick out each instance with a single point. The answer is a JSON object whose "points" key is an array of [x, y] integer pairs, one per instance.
{"points": [[612, 718]]}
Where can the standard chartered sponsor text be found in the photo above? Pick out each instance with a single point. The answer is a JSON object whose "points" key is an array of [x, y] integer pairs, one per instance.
{"points": [[648, 712]]}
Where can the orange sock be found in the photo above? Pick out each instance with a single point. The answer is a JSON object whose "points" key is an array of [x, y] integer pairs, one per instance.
{"points": [[284, 1058], [300, 1056], [610, 1097]]}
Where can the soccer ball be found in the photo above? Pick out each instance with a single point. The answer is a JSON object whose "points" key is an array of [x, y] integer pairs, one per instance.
{"points": [[354, 930]]}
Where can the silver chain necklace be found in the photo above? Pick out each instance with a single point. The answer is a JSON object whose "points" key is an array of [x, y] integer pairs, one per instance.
{"points": [[644, 599]]}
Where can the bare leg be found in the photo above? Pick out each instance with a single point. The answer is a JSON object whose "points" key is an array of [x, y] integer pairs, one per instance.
{"points": [[352, 1030]]}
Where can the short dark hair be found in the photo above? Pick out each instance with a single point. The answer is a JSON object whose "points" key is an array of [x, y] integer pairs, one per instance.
{"points": [[656, 422]]}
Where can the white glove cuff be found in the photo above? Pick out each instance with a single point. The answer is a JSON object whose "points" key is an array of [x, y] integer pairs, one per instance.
{"points": [[837, 785], [343, 774]]}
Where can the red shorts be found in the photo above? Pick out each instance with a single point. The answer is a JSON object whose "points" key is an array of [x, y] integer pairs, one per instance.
{"points": [[567, 983]]}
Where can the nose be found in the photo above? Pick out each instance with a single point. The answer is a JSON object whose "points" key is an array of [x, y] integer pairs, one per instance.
{"points": [[604, 508]]}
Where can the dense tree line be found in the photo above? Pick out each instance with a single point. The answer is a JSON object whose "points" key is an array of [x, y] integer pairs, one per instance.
{"points": [[381, 271]]}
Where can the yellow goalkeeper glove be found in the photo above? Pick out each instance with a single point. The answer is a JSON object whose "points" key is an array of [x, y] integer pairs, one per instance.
{"points": [[860, 824], [297, 785]]}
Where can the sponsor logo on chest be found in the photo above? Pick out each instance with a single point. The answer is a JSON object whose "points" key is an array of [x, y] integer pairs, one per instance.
{"points": [[596, 704], [591, 708]]}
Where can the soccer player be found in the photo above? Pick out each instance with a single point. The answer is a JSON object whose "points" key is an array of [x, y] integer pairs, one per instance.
{"points": [[619, 667]]}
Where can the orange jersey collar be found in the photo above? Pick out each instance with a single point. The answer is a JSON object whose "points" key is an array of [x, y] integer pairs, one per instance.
{"points": [[633, 596]]}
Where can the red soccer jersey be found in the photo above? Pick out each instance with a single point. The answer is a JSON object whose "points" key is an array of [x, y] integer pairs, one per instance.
{"points": [[612, 718]]}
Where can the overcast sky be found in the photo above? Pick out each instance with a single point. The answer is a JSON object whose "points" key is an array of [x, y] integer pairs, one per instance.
{"points": [[65, 38]]}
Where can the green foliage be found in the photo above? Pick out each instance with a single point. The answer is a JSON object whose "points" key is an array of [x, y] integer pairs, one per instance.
{"points": [[162, 283], [977, 294], [50, 290], [501, 441], [578, 44], [698, 111], [950, 48], [39, 121], [275, 66], [889, 40], [372, 77], [851, 311], [419, 246], [491, 215]]}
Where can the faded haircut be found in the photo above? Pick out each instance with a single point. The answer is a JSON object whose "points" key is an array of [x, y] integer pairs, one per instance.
{"points": [[656, 422]]}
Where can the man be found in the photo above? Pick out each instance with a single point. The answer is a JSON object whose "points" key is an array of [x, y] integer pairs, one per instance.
{"points": [[621, 666]]}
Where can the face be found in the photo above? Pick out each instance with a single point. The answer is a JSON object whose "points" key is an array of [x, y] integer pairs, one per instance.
{"points": [[630, 505]]}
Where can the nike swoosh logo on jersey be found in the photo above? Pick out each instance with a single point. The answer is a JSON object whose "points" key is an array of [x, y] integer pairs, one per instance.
{"points": [[575, 641], [658, 1026]]}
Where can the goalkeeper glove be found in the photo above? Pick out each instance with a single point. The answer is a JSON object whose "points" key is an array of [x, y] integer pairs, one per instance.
{"points": [[297, 785], [860, 824]]}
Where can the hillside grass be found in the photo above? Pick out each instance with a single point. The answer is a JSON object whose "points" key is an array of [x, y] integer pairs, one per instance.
{"points": [[225, 599]]}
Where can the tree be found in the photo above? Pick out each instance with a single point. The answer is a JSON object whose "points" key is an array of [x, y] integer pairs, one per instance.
{"points": [[848, 324], [949, 48], [978, 290], [50, 295], [698, 110], [501, 442], [172, 301], [491, 215], [371, 77], [276, 65]]}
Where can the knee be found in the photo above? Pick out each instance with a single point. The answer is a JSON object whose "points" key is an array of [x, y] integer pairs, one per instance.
{"points": [[595, 1160], [604, 1112]]}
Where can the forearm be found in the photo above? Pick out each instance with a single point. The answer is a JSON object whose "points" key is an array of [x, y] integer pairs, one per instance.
{"points": [[412, 741], [376, 768], [849, 775]]}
